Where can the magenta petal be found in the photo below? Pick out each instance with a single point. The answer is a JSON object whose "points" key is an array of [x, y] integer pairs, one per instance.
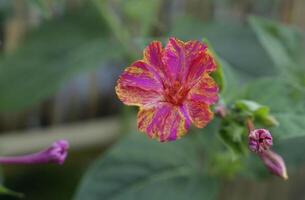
{"points": [[164, 122], [153, 58], [199, 113], [202, 63], [139, 86], [205, 91], [139, 75], [178, 57]]}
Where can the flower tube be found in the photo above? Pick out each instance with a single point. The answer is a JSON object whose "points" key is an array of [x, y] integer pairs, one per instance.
{"points": [[56, 153]]}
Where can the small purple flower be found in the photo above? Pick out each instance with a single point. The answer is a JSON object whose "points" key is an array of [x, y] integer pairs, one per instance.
{"points": [[56, 153], [260, 140], [274, 163]]}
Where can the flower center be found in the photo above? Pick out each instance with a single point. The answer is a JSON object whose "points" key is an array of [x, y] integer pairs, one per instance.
{"points": [[175, 93]]}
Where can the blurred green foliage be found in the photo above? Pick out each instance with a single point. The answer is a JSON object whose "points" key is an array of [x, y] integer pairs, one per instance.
{"points": [[285, 47], [234, 42], [139, 168], [53, 54]]}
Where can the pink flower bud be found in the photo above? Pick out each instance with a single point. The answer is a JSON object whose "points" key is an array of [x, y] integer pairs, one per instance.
{"points": [[274, 163], [57, 153], [260, 140], [221, 110]]}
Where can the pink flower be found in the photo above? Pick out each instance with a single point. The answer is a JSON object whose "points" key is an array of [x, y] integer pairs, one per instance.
{"points": [[172, 87]]}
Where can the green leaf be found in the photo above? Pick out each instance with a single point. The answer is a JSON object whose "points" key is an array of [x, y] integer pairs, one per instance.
{"points": [[51, 55], [251, 106], [234, 136], [6, 191], [139, 168], [274, 93], [257, 111], [225, 164], [231, 80], [291, 125], [289, 149], [236, 43], [285, 46]]}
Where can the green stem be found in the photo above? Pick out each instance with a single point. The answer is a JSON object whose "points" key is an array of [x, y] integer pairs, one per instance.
{"points": [[250, 125]]}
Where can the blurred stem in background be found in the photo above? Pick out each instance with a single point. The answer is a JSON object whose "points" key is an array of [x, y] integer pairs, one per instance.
{"points": [[123, 36], [115, 24]]}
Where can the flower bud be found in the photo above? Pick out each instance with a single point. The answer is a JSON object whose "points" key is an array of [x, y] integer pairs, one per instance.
{"points": [[221, 110], [274, 163], [56, 153], [260, 140]]}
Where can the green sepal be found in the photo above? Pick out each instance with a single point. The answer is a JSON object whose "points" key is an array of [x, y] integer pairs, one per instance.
{"points": [[257, 111], [218, 75], [234, 136]]}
